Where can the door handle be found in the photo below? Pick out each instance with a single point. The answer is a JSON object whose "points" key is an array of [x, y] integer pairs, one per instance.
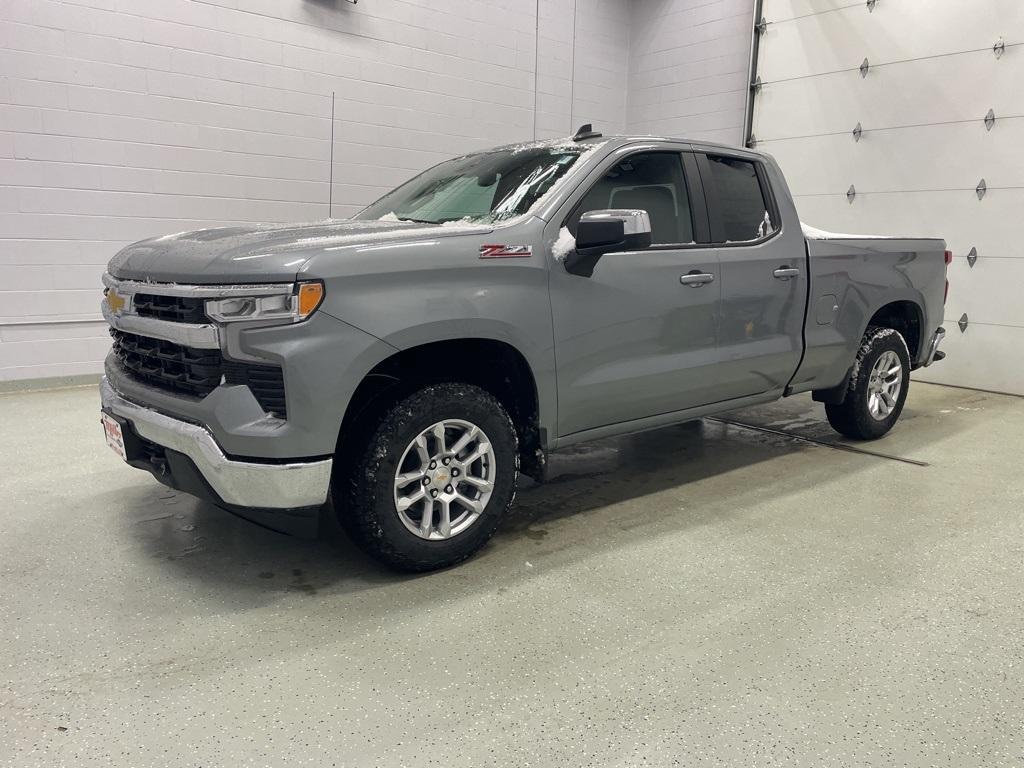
{"points": [[696, 279], [784, 273]]}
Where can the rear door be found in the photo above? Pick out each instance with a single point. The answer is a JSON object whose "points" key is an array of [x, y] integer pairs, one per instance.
{"points": [[763, 274], [634, 339]]}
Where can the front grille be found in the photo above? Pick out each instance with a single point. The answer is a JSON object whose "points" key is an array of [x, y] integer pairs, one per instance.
{"points": [[166, 365], [196, 372], [175, 309]]}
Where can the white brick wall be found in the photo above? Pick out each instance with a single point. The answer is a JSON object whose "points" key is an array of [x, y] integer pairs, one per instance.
{"points": [[688, 68], [582, 65], [126, 119]]}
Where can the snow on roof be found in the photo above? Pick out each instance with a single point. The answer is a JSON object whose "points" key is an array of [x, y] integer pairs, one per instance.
{"points": [[566, 143]]}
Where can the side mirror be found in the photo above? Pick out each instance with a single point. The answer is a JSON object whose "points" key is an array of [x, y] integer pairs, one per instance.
{"points": [[601, 232]]}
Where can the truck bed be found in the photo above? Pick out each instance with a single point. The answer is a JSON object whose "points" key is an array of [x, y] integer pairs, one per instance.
{"points": [[852, 279]]}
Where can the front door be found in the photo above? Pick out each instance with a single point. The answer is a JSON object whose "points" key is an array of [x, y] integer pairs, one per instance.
{"points": [[639, 337]]}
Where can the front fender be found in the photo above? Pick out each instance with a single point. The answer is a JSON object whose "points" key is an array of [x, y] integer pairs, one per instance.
{"points": [[538, 353]]}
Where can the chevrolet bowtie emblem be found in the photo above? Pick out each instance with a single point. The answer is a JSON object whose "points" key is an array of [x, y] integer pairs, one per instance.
{"points": [[115, 301]]}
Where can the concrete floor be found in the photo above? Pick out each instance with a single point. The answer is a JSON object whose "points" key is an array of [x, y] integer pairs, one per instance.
{"points": [[703, 595]]}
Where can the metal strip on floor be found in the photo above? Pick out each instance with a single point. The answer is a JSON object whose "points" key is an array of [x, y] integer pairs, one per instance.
{"points": [[815, 441]]}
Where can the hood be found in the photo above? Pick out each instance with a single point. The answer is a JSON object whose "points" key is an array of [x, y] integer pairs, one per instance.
{"points": [[260, 253]]}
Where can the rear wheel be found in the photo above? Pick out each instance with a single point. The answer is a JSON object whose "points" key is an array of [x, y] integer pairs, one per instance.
{"points": [[878, 387], [437, 474]]}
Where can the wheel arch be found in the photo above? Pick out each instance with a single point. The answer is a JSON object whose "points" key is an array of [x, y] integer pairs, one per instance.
{"points": [[494, 364], [905, 315]]}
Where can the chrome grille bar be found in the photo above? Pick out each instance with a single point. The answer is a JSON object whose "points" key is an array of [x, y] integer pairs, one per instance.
{"points": [[129, 287]]}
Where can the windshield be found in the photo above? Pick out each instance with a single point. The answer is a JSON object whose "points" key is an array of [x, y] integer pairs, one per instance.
{"points": [[483, 188]]}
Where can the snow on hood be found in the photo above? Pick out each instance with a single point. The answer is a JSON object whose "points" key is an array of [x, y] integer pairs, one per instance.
{"points": [[261, 252], [342, 232]]}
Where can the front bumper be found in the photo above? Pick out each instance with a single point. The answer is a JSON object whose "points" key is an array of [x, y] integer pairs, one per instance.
{"points": [[236, 484]]}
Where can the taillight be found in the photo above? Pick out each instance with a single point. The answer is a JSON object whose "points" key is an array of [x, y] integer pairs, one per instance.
{"points": [[949, 260]]}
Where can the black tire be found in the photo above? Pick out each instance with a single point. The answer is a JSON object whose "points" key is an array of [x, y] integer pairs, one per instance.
{"points": [[853, 416], [368, 510]]}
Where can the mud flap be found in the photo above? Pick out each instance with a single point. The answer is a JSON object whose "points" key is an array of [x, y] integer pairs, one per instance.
{"points": [[834, 395], [533, 460]]}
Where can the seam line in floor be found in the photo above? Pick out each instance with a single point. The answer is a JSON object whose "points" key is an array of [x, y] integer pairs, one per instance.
{"points": [[824, 443]]}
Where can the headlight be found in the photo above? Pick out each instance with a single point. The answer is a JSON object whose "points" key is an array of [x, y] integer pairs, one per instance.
{"points": [[289, 307]]}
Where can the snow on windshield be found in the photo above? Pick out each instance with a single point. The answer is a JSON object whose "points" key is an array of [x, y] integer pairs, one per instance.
{"points": [[489, 187]]}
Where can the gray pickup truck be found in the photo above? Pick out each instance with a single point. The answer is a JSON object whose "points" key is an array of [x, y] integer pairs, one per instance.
{"points": [[411, 361]]}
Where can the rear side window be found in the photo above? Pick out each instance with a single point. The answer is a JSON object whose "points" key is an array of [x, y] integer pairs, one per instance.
{"points": [[649, 181], [745, 213]]}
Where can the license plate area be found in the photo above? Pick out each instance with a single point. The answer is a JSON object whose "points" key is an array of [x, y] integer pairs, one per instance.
{"points": [[114, 434]]}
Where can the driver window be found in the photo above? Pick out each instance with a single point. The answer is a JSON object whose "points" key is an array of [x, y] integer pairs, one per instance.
{"points": [[650, 181]]}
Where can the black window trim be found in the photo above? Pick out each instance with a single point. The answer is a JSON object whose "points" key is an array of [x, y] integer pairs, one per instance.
{"points": [[714, 205], [699, 217]]}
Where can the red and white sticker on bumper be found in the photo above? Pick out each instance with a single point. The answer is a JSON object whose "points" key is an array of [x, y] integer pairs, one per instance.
{"points": [[506, 251]]}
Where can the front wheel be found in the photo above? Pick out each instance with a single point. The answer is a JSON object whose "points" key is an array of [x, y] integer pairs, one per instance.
{"points": [[878, 387], [437, 475]]}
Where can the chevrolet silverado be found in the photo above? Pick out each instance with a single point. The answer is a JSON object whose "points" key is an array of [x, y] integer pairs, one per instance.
{"points": [[411, 361]]}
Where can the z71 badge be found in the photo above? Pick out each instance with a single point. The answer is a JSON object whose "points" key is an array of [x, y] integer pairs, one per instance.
{"points": [[506, 251]]}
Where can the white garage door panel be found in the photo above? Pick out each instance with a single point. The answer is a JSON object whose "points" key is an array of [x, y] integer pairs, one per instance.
{"points": [[981, 358], [930, 91], [990, 292], [781, 10], [894, 32], [886, 161], [990, 225], [923, 149]]}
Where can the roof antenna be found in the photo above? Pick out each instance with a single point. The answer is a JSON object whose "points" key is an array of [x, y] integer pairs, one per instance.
{"points": [[586, 132]]}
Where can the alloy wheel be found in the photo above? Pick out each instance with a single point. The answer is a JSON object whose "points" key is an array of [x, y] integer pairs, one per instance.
{"points": [[444, 479], [884, 385]]}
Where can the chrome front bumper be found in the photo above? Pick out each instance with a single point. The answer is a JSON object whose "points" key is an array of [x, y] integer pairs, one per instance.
{"points": [[237, 483], [933, 348]]}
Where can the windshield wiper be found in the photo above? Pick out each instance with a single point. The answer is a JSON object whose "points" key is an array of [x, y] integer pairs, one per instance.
{"points": [[417, 221], [467, 219]]}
